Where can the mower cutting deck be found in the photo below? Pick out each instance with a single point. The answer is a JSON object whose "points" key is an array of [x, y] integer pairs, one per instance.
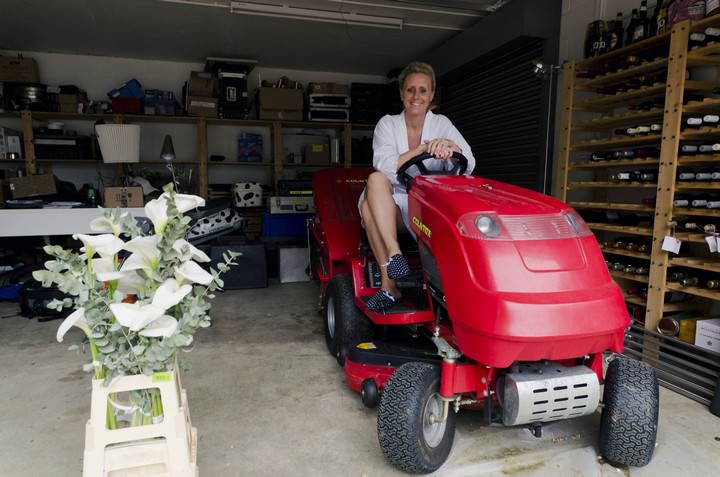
{"points": [[510, 310]]}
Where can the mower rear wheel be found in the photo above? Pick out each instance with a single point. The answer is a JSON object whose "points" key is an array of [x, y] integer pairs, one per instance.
{"points": [[628, 425], [345, 325], [411, 434]]}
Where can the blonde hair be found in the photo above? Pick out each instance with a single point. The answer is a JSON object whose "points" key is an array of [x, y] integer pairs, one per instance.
{"points": [[417, 67]]}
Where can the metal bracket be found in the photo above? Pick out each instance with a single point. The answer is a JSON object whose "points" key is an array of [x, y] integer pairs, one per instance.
{"points": [[445, 350]]}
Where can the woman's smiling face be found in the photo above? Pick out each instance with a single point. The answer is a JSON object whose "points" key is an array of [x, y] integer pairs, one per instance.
{"points": [[417, 93]]}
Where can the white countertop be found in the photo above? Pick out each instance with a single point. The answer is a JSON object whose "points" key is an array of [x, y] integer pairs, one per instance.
{"points": [[53, 221]]}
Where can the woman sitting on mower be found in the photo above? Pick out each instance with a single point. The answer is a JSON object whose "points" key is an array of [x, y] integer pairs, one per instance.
{"points": [[397, 139]]}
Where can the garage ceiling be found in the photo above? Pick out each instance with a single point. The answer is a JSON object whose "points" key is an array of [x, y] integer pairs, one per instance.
{"points": [[329, 37]]}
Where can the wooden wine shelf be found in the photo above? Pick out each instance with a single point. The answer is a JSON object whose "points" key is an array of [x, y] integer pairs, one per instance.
{"points": [[691, 237], [644, 231], [633, 49], [696, 185], [697, 263], [706, 105], [630, 118], [699, 134], [609, 143], [697, 291], [609, 185], [629, 276], [585, 184], [626, 253], [659, 64], [650, 161], [690, 211], [699, 159], [611, 206]]}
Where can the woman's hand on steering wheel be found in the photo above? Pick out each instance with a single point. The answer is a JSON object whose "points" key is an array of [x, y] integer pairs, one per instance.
{"points": [[441, 148]]}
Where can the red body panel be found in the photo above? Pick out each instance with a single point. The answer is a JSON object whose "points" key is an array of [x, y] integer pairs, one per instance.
{"points": [[336, 192], [516, 300]]}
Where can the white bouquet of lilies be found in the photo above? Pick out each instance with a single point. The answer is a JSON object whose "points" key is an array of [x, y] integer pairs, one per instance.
{"points": [[139, 297]]}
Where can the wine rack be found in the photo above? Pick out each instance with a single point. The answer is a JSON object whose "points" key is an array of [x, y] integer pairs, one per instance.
{"points": [[606, 100]]}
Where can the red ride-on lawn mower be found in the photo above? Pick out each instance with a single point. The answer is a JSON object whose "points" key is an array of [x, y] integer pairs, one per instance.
{"points": [[509, 311]]}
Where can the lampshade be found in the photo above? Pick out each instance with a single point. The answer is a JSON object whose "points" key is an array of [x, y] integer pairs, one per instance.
{"points": [[119, 143], [168, 151]]}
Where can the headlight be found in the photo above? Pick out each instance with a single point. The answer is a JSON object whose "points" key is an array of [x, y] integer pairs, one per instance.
{"points": [[487, 226]]}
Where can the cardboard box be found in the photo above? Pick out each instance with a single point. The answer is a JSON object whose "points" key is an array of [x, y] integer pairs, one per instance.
{"points": [[293, 264], [4, 192], [328, 88], [280, 103], [707, 334], [247, 194], [201, 84], [124, 197], [317, 154], [202, 106], [291, 205], [30, 186], [21, 70]]}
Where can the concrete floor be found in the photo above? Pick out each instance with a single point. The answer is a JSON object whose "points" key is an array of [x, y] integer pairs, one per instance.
{"points": [[268, 400]]}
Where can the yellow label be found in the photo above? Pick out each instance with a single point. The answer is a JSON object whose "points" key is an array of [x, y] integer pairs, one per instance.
{"points": [[366, 346], [422, 227], [162, 377], [318, 147]]}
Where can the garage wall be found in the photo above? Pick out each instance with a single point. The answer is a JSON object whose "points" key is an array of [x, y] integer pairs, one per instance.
{"points": [[98, 74]]}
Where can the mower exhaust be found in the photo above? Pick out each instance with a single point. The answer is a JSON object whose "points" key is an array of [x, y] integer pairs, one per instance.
{"points": [[543, 392]]}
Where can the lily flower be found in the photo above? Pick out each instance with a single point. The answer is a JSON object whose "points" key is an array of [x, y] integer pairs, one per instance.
{"points": [[131, 282], [106, 245], [170, 293], [145, 253], [134, 315], [105, 225], [76, 318], [161, 328], [195, 253], [156, 209], [193, 273]]}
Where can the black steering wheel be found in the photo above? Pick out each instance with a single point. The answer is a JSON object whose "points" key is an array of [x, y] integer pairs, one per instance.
{"points": [[459, 161]]}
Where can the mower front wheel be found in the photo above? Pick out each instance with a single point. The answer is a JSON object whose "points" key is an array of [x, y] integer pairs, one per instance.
{"points": [[344, 324], [628, 425], [412, 432]]}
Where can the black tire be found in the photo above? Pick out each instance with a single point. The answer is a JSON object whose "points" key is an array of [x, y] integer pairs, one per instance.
{"points": [[345, 325], [407, 437], [628, 426]]}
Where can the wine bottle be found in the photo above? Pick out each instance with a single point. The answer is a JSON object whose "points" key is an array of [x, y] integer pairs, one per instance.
{"points": [[631, 26], [624, 154], [708, 149], [713, 203], [676, 276], [688, 149], [711, 119], [646, 152], [662, 24], [615, 36], [713, 284], [697, 39], [692, 122], [647, 176], [689, 282], [699, 200], [703, 175], [712, 33], [681, 200], [598, 35], [685, 175], [715, 175], [642, 27]]}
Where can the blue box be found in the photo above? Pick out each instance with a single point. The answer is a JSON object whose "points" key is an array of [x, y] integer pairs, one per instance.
{"points": [[285, 225], [130, 89]]}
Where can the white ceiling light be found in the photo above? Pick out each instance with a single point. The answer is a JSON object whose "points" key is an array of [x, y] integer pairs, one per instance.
{"points": [[295, 13]]}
